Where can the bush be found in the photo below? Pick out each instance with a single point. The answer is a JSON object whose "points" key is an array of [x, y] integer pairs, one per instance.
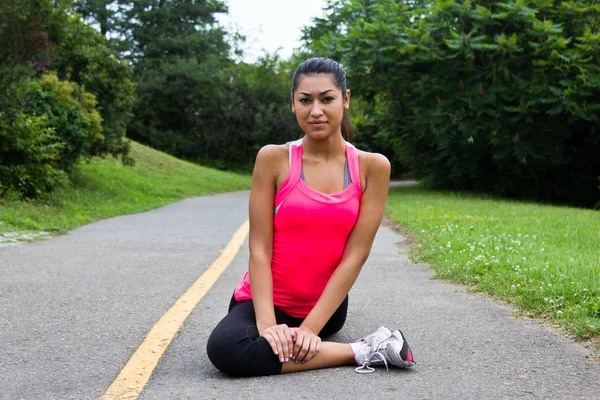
{"points": [[46, 128]]}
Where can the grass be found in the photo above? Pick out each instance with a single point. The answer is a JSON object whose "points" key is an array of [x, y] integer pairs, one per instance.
{"points": [[543, 259], [105, 188]]}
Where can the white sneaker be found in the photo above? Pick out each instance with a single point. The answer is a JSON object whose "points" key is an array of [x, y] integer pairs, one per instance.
{"points": [[365, 346], [382, 348]]}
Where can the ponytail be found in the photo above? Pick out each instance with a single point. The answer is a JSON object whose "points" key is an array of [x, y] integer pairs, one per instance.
{"points": [[347, 128]]}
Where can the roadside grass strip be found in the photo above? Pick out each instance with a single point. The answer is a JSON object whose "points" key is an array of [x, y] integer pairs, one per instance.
{"points": [[106, 188], [543, 259]]}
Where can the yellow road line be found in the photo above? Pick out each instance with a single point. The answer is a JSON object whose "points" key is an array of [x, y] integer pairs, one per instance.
{"points": [[137, 371]]}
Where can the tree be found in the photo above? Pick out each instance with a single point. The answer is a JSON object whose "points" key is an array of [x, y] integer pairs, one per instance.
{"points": [[495, 96], [83, 57], [178, 50], [50, 61], [99, 11]]}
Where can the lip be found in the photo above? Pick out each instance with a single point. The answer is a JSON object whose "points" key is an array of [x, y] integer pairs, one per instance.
{"points": [[317, 123]]}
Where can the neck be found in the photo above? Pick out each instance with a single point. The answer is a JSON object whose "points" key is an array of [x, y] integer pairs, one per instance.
{"points": [[327, 148]]}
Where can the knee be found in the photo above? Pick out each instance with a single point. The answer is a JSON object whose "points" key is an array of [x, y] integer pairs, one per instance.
{"points": [[222, 352], [229, 352], [236, 356]]}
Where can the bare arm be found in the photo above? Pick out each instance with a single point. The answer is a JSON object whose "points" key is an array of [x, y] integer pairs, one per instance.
{"points": [[261, 206], [358, 246]]}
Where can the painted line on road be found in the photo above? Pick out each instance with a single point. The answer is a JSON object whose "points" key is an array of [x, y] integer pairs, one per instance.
{"points": [[133, 377]]}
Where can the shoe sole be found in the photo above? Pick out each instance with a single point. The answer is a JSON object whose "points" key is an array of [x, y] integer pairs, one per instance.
{"points": [[395, 349]]}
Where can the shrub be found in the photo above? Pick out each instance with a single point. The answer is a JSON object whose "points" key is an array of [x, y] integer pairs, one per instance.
{"points": [[46, 127]]}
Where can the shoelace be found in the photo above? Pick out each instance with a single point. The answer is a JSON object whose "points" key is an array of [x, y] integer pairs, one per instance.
{"points": [[366, 369]]}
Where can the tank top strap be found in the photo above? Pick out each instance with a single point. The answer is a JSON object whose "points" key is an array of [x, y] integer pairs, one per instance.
{"points": [[295, 160], [295, 168], [352, 159]]}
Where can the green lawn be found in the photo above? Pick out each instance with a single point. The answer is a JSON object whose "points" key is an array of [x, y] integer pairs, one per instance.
{"points": [[105, 188], [543, 259]]}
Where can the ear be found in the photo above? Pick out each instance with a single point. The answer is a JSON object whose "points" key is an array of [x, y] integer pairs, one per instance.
{"points": [[347, 100], [293, 107]]}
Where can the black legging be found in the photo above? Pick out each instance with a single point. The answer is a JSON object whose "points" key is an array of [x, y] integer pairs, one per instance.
{"points": [[235, 348]]}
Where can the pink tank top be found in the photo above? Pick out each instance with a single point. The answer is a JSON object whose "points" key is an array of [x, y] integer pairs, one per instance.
{"points": [[310, 231]]}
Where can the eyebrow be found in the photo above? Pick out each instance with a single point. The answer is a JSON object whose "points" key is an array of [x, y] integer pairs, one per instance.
{"points": [[320, 94]]}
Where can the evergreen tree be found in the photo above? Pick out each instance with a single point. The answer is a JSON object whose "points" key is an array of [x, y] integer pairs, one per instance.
{"points": [[100, 11], [178, 50]]}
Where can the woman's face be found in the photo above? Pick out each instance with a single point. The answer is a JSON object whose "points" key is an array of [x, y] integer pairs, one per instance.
{"points": [[319, 105]]}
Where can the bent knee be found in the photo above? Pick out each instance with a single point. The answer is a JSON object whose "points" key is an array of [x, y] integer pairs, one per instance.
{"points": [[245, 357]]}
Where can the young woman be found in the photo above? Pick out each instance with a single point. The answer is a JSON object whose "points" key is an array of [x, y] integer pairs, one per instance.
{"points": [[315, 207]]}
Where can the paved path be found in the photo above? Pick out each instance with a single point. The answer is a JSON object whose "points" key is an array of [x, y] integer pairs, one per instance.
{"points": [[73, 309]]}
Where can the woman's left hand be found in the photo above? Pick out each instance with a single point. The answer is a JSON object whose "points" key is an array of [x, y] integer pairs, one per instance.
{"points": [[306, 345]]}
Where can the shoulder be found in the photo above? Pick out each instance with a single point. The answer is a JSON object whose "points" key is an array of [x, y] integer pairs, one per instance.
{"points": [[374, 164], [271, 161], [272, 154]]}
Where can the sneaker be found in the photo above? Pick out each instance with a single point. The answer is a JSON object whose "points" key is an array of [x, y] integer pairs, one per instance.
{"points": [[364, 346], [377, 349]]}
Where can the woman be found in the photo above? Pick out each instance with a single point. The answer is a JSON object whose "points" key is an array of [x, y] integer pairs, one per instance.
{"points": [[315, 207]]}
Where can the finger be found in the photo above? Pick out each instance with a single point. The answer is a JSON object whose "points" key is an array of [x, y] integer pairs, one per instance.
{"points": [[304, 350], [271, 341], [278, 351], [313, 349], [284, 354], [298, 345], [290, 343]]}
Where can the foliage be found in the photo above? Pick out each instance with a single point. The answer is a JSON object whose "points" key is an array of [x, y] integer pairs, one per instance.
{"points": [[193, 100], [46, 127], [30, 31], [98, 11], [49, 121], [498, 96], [178, 51], [84, 58], [255, 110]]}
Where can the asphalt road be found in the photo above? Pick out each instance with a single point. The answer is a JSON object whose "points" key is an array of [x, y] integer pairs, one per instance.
{"points": [[74, 308]]}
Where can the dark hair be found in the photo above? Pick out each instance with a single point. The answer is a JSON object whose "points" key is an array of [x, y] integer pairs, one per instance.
{"points": [[324, 65]]}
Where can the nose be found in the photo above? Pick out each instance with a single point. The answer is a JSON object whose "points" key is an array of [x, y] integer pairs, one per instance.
{"points": [[316, 109]]}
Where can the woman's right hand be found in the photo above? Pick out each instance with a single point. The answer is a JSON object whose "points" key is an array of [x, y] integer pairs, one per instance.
{"points": [[281, 339]]}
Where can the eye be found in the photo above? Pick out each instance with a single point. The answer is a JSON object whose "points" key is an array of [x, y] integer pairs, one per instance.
{"points": [[304, 100], [327, 99]]}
